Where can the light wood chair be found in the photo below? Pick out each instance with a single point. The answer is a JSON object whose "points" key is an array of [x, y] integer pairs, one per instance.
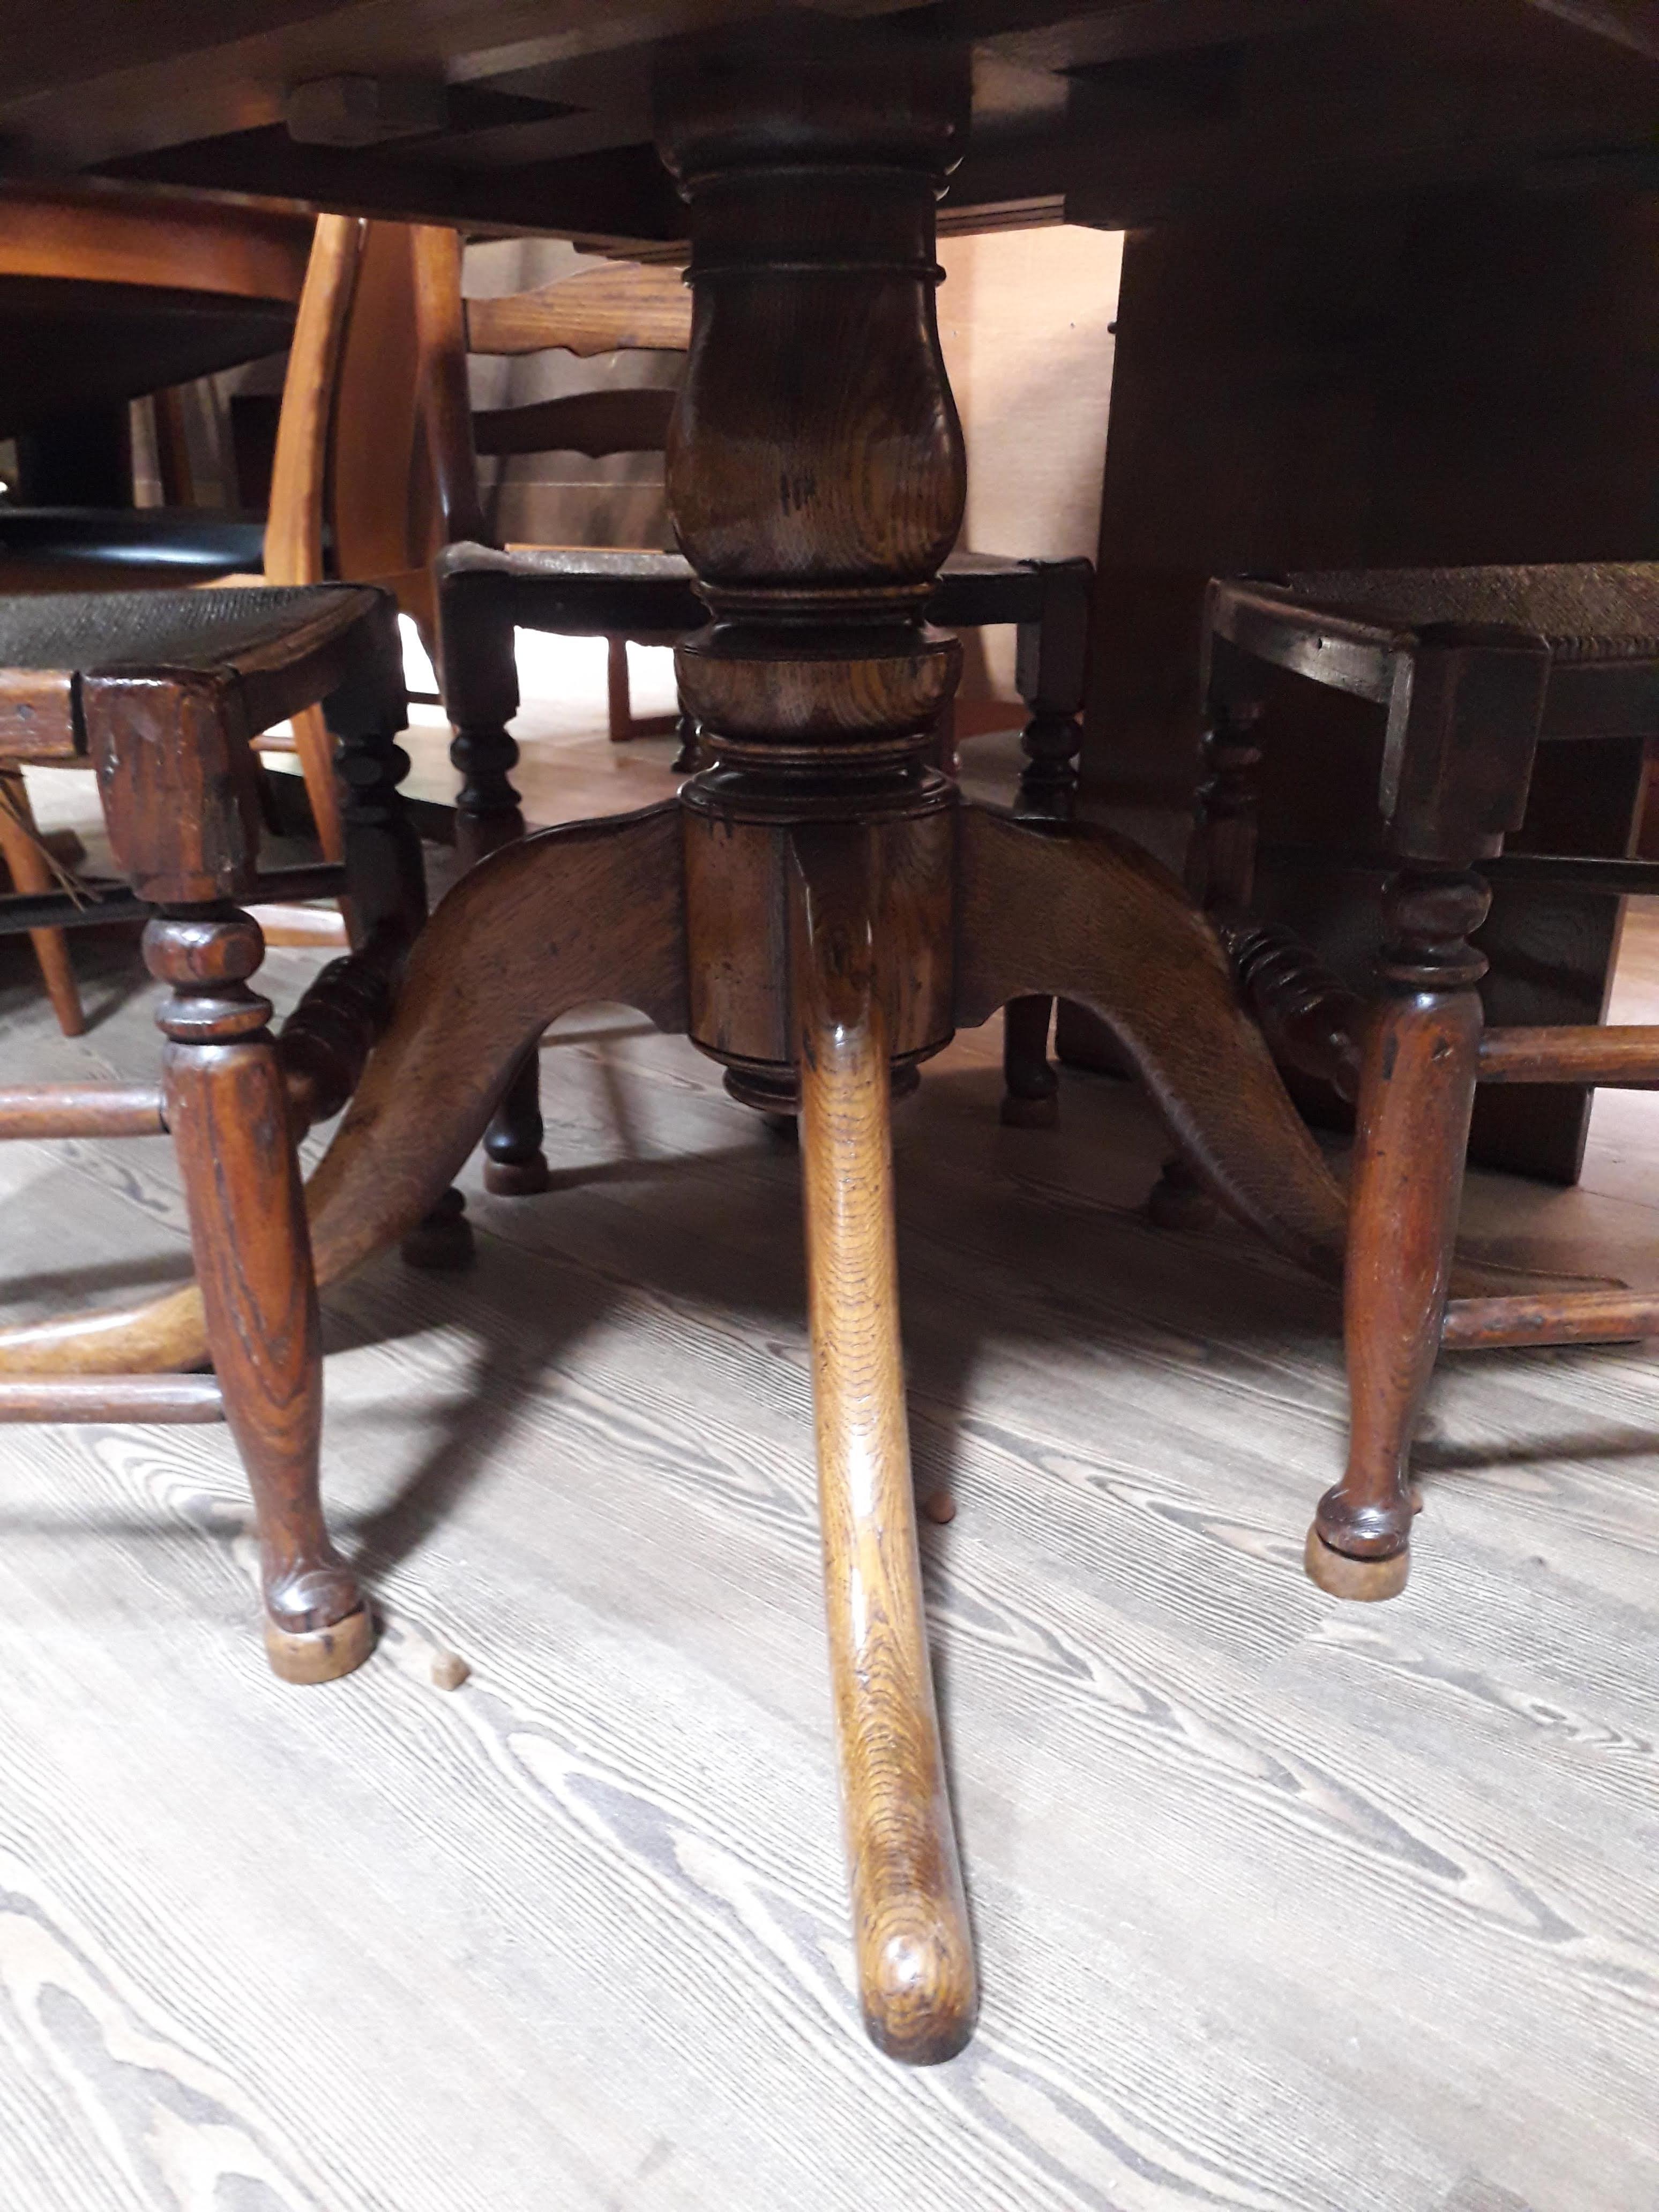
{"points": [[1470, 671], [104, 298], [376, 450]]}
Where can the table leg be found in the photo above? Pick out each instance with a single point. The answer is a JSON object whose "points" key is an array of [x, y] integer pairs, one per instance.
{"points": [[916, 1974], [1118, 935]]}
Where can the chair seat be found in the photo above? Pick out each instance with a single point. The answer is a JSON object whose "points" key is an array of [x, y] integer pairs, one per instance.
{"points": [[1584, 610], [586, 590], [264, 639], [196, 542]]}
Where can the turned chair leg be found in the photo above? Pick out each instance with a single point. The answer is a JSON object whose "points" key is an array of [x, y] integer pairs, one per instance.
{"points": [[619, 692], [1416, 1092], [1049, 670], [916, 1973], [30, 872], [1220, 870], [690, 741], [489, 817], [1030, 1088], [228, 1110]]}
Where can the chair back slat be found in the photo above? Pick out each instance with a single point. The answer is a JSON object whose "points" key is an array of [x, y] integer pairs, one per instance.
{"points": [[622, 421], [617, 308]]}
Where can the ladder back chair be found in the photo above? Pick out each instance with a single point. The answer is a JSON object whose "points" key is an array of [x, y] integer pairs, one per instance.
{"points": [[1473, 670]]}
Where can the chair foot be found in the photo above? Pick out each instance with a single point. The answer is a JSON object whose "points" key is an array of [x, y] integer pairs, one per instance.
{"points": [[1016, 1113], [320, 1654], [518, 1178], [1030, 1097], [444, 1238], [1178, 1201], [1365, 1581], [515, 1165]]}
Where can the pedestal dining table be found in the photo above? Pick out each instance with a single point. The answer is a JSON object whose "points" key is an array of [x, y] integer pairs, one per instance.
{"points": [[819, 909]]}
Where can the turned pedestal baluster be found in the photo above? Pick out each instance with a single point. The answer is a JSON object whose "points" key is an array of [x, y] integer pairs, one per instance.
{"points": [[228, 1110], [815, 479], [1416, 1092]]}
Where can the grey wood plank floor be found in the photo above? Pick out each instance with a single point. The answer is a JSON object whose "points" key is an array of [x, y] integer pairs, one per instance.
{"points": [[1282, 1904]]}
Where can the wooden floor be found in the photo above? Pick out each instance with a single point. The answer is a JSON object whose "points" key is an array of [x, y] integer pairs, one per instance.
{"points": [[1281, 1905]]}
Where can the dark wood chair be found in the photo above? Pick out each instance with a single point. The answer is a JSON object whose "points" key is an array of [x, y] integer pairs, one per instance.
{"points": [[484, 595], [162, 693], [1472, 670]]}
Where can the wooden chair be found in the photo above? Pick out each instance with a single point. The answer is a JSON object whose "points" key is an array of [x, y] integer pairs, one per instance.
{"points": [[1473, 670], [613, 308], [360, 488], [162, 693]]}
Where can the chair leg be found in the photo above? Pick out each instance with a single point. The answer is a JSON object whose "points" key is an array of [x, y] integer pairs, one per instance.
{"points": [[1048, 793], [30, 872], [489, 817], [618, 699], [1220, 873], [1416, 1092], [685, 760], [314, 745], [1030, 1088], [916, 1973], [228, 1111]]}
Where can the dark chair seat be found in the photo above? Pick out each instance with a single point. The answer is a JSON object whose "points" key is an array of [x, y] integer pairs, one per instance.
{"points": [[1583, 610], [271, 644], [580, 590], [197, 544], [1596, 623]]}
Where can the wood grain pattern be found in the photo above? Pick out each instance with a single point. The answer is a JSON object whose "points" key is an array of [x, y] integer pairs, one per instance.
{"points": [[1416, 1093], [300, 474], [92, 1109], [589, 912], [112, 1398], [178, 243], [916, 1975], [1238, 1854], [1619, 1056], [1584, 1317], [1119, 937], [613, 307]]}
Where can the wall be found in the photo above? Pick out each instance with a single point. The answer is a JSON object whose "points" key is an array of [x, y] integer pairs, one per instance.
{"points": [[1024, 320]]}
